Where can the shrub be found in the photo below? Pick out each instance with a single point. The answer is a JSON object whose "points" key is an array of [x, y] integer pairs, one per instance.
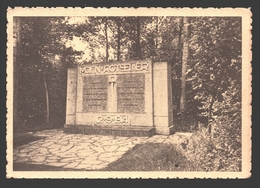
{"points": [[218, 151]]}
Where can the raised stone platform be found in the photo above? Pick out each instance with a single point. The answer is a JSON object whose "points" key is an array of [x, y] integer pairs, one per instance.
{"points": [[110, 130]]}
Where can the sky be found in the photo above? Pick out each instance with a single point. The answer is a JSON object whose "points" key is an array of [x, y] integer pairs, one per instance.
{"points": [[80, 45]]}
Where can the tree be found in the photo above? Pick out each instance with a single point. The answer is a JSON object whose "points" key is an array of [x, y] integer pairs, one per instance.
{"points": [[17, 43], [138, 30], [133, 26], [119, 35], [41, 49], [129, 37], [105, 21], [216, 60], [118, 25], [185, 58], [214, 93]]}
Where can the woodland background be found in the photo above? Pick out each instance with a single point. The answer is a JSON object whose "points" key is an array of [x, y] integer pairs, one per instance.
{"points": [[205, 53]]}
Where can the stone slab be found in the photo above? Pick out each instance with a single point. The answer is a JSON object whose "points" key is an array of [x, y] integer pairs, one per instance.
{"points": [[110, 130]]}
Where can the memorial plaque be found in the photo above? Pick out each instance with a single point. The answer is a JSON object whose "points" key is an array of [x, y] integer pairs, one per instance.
{"points": [[95, 93], [130, 93]]}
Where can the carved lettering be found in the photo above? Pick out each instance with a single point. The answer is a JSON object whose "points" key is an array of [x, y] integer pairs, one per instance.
{"points": [[138, 66], [145, 66], [106, 68], [115, 68], [112, 119], [112, 68], [97, 69], [127, 67]]}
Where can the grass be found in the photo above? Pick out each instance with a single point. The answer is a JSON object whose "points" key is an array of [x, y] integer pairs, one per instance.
{"points": [[151, 157]]}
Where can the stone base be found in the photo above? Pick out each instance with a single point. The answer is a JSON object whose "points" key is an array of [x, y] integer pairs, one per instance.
{"points": [[165, 130], [110, 130]]}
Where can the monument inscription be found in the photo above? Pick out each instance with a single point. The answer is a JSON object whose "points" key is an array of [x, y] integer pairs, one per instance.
{"points": [[95, 93], [131, 93], [115, 68]]}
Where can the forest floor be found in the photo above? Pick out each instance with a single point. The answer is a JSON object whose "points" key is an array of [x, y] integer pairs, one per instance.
{"points": [[24, 134]]}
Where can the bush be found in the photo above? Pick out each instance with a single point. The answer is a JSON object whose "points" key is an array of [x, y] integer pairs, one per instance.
{"points": [[218, 151]]}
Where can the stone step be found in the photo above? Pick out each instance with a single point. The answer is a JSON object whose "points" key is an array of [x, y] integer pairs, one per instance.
{"points": [[110, 130]]}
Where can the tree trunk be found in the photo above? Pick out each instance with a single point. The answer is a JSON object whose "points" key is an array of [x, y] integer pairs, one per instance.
{"points": [[138, 45], [107, 55], [118, 40], [157, 32], [180, 31], [185, 56], [211, 102], [17, 37], [47, 99]]}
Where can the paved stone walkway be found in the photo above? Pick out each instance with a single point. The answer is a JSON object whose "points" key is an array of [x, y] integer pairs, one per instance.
{"points": [[80, 151]]}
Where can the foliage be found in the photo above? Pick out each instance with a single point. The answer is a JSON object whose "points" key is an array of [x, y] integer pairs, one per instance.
{"points": [[215, 63], [214, 79], [42, 55], [214, 154], [220, 150]]}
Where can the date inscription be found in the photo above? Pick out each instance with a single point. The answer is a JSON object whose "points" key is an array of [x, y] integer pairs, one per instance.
{"points": [[113, 119]]}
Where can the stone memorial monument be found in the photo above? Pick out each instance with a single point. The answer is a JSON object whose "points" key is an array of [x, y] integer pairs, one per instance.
{"points": [[132, 98]]}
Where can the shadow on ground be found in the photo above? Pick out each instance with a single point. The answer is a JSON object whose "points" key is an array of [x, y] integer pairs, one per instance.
{"points": [[25, 138]]}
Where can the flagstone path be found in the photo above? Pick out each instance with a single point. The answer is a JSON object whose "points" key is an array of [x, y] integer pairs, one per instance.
{"points": [[86, 152]]}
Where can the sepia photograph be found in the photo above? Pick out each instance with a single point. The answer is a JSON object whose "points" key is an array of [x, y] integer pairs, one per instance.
{"points": [[124, 93]]}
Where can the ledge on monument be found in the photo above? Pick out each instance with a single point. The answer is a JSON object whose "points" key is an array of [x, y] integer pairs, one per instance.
{"points": [[110, 130], [165, 130]]}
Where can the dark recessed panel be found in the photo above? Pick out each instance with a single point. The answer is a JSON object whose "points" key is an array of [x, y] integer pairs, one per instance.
{"points": [[95, 93], [131, 93]]}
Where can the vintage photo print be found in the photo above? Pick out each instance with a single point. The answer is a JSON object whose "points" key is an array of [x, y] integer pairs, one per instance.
{"points": [[129, 93]]}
